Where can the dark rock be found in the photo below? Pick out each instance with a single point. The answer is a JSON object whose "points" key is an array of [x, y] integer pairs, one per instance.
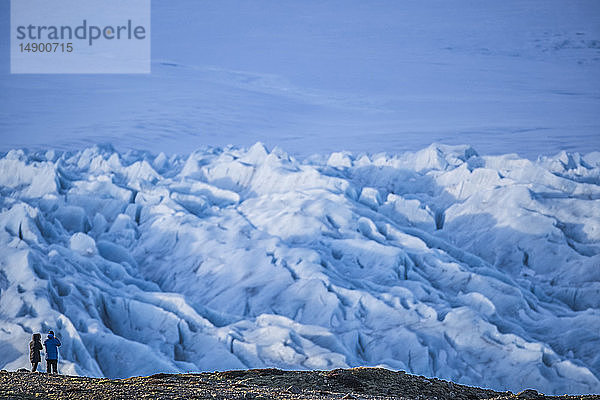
{"points": [[346, 379], [233, 374], [530, 394], [294, 389], [269, 371], [160, 376]]}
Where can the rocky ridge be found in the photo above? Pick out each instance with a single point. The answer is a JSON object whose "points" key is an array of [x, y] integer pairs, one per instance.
{"points": [[257, 384]]}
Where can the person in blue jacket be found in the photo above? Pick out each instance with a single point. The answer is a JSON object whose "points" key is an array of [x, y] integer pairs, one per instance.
{"points": [[51, 344]]}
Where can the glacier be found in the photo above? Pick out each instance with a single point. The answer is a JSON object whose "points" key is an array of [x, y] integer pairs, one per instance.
{"points": [[320, 76], [481, 269]]}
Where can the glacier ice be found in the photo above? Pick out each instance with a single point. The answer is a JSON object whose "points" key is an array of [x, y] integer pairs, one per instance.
{"points": [[443, 262]]}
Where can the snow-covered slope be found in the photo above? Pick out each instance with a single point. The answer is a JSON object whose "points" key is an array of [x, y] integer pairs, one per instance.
{"points": [[480, 269], [315, 76]]}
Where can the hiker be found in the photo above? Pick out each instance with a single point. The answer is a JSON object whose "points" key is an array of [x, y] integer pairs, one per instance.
{"points": [[51, 344], [34, 351]]}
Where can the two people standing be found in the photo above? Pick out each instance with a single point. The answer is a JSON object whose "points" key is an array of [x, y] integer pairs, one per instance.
{"points": [[51, 344]]}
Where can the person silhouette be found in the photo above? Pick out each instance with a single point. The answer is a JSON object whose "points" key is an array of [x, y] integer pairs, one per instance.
{"points": [[51, 344], [35, 346]]}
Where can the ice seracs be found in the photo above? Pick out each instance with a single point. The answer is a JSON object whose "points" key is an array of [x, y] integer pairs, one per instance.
{"points": [[442, 262]]}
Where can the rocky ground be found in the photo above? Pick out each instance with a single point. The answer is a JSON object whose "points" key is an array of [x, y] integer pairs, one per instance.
{"points": [[357, 383]]}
